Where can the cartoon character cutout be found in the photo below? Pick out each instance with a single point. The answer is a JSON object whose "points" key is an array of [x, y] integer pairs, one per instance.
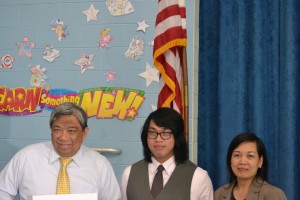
{"points": [[119, 7], [38, 78], [104, 38], [59, 28], [50, 53]]}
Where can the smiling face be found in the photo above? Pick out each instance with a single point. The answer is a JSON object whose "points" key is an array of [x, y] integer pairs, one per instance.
{"points": [[67, 135], [245, 161], [161, 149]]}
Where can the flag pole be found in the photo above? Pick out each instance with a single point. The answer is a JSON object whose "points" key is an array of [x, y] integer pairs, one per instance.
{"points": [[185, 94]]}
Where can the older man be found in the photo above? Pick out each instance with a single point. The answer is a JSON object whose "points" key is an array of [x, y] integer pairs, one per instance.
{"points": [[63, 166]]}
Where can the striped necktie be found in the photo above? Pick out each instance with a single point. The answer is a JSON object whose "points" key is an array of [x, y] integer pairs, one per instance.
{"points": [[63, 181]]}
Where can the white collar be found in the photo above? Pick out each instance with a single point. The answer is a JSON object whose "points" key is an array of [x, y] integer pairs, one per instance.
{"points": [[169, 165], [77, 158]]}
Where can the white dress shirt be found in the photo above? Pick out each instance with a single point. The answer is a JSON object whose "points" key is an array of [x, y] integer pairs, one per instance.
{"points": [[34, 171], [201, 188]]}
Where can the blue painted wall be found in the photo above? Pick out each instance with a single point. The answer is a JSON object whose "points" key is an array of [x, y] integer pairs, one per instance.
{"points": [[32, 18]]}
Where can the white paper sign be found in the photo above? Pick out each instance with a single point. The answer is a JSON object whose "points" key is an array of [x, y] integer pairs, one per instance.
{"points": [[87, 196]]}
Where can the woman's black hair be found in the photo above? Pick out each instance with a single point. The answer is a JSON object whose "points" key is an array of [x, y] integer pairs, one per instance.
{"points": [[248, 137]]}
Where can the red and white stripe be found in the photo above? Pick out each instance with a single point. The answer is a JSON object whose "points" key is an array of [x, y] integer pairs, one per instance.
{"points": [[170, 37]]}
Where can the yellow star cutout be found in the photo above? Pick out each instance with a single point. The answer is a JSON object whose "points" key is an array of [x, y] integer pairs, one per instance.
{"points": [[20, 96], [131, 113]]}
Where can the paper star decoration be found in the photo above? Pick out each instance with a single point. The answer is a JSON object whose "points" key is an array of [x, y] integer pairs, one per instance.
{"points": [[151, 74], [38, 108], [142, 26], [153, 107], [85, 62], [151, 43], [25, 47], [91, 13], [110, 76]]}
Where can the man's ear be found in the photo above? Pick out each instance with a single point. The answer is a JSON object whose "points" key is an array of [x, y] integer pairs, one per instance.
{"points": [[85, 132]]}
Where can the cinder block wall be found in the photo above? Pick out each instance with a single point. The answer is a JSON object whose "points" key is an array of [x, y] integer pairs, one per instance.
{"points": [[32, 18]]}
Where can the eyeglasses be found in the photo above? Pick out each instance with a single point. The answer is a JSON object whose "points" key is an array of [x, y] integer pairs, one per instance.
{"points": [[163, 135]]}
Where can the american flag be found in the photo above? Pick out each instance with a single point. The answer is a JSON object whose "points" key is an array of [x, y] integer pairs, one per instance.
{"points": [[170, 38]]}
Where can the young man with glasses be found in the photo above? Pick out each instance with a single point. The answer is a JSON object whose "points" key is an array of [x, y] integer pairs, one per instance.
{"points": [[165, 172]]}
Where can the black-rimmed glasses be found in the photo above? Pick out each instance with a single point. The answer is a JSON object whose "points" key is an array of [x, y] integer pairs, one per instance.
{"points": [[163, 135]]}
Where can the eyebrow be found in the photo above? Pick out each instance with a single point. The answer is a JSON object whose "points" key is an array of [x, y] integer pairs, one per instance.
{"points": [[247, 151], [154, 129], [70, 126]]}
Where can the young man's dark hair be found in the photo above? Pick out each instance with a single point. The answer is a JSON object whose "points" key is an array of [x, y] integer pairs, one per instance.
{"points": [[170, 119]]}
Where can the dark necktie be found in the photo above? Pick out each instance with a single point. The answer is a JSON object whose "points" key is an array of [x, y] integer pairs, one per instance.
{"points": [[158, 181]]}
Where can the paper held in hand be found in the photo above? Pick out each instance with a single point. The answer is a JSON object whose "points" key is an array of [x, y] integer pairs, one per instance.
{"points": [[87, 196]]}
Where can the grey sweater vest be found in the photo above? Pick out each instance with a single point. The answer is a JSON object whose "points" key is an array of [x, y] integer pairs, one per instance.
{"points": [[178, 186]]}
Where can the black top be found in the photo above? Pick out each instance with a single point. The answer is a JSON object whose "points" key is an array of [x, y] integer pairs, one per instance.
{"points": [[232, 196]]}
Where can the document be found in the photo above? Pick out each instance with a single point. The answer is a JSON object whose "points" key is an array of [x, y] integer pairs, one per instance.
{"points": [[87, 196]]}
